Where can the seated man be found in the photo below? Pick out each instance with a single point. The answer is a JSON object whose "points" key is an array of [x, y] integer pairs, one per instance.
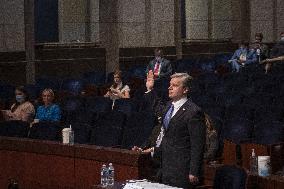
{"points": [[160, 66], [262, 50], [243, 56], [276, 53]]}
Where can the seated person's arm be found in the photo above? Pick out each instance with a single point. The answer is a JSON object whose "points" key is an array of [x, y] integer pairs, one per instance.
{"points": [[27, 114], [125, 94], [56, 114], [108, 93]]}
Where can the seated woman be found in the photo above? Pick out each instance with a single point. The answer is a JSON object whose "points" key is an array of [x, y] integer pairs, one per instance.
{"points": [[21, 110], [118, 90], [212, 143], [48, 111]]}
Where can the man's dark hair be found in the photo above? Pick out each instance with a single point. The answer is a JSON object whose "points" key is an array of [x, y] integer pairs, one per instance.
{"points": [[260, 35]]}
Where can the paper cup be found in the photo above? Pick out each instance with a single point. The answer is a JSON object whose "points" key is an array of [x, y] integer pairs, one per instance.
{"points": [[263, 165], [66, 135], [36, 120]]}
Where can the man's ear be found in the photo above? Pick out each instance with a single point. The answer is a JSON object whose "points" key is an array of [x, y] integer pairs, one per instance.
{"points": [[186, 91]]}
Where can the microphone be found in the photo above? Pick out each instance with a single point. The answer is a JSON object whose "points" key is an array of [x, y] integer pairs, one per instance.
{"points": [[258, 54]]}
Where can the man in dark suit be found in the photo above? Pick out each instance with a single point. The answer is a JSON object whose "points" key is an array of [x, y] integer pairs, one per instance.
{"points": [[160, 66], [180, 144]]}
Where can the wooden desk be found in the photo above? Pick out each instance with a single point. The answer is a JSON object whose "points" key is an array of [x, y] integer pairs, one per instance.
{"points": [[275, 151], [253, 181], [44, 164]]}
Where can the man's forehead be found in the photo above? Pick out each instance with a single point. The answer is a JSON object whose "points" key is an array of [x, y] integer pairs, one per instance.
{"points": [[176, 80]]}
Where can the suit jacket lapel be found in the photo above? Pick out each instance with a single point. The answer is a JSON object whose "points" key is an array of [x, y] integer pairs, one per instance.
{"points": [[180, 112]]}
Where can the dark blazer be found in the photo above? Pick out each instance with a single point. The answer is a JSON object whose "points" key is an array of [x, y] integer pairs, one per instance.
{"points": [[182, 147], [166, 67]]}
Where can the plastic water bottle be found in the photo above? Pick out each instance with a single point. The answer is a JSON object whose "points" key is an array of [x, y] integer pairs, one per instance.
{"points": [[253, 163], [104, 175], [110, 179]]}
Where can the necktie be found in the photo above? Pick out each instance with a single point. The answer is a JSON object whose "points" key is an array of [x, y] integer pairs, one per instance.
{"points": [[168, 117], [157, 67]]}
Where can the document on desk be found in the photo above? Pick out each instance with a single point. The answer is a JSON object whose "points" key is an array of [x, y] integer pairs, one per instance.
{"points": [[147, 185]]}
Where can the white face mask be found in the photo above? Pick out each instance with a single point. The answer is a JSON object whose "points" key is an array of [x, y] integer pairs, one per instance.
{"points": [[282, 38]]}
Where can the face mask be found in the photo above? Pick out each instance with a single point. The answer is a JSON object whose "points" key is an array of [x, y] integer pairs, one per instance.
{"points": [[282, 39], [20, 98]]}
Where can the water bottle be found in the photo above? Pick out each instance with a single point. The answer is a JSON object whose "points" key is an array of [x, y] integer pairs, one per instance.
{"points": [[13, 184], [253, 163], [110, 179], [104, 175]]}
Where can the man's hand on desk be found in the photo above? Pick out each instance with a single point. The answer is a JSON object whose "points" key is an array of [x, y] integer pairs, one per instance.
{"points": [[193, 179], [146, 151]]}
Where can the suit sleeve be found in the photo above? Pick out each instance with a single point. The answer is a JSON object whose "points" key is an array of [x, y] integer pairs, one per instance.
{"points": [[197, 130], [168, 71]]}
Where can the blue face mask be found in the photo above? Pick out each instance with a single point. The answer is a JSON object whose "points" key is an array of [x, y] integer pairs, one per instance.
{"points": [[20, 98]]}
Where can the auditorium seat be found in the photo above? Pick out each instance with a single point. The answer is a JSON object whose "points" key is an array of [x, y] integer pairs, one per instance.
{"points": [[107, 129], [98, 104], [185, 65], [268, 132], [48, 82], [94, 77], [72, 86], [237, 130], [33, 91], [268, 112], [72, 109], [14, 128], [46, 131], [138, 128], [82, 132], [126, 106], [239, 111], [230, 177], [6, 91]]}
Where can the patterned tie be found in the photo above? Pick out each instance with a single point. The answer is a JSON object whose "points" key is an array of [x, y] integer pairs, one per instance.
{"points": [[157, 67], [168, 117]]}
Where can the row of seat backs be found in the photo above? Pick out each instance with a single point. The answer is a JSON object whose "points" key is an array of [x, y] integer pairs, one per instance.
{"points": [[108, 129]]}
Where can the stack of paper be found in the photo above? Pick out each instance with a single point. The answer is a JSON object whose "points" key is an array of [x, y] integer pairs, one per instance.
{"points": [[144, 184]]}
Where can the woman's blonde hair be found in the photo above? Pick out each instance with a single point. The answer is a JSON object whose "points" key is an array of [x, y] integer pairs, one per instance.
{"points": [[208, 123], [48, 90]]}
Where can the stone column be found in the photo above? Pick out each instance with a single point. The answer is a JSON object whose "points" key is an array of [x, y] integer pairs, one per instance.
{"points": [[221, 19], [262, 18], [196, 19], [177, 29], [132, 30], [109, 33], [94, 20], [72, 20], [162, 23], [29, 41]]}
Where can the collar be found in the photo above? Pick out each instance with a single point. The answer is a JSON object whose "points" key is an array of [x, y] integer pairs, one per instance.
{"points": [[179, 103], [119, 86]]}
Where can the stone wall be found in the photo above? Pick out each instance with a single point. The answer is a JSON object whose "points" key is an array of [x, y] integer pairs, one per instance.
{"points": [[12, 29]]}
